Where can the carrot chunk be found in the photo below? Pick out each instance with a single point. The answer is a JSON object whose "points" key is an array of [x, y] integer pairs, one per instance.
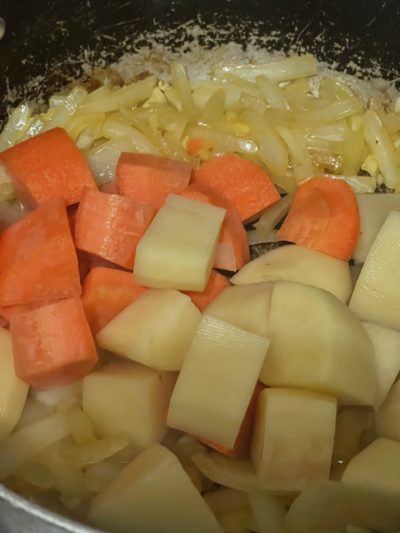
{"points": [[48, 166], [324, 217], [244, 183], [232, 250], [216, 284], [106, 292], [53, 344], [110, 226], [196, 145], [37, 258], [243, 440], [149, 179]]}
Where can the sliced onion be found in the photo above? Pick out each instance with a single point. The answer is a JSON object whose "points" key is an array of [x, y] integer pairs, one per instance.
{"points": [[184, 90], [272, 93]]}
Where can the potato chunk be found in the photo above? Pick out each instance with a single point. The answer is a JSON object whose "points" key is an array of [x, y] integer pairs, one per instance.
{"points": [[376, 296], [13, 391], [386, 343], [246, 307], [293, 438], [131, 399], [318, 344], [373, 478], [178, 249], [295, 263], [153, 494], [217, 381], [155, 330]]}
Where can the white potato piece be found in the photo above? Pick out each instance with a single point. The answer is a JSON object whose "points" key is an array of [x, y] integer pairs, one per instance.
{"points": [[386, 343], [246, 307], [376, 296], [153, 493], [293, 438], [155, 330], [323, 507], [269, 513], [295, 263], [373, 478], [387, 419], [178, 249], [217, 381], [373, 209], [13, 391], [319, 345], [130, 399]]}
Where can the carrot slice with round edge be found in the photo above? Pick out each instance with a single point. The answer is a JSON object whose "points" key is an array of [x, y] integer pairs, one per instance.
{"points": [[232, 250], [149, 179], [38, 260], [243, 440], [106, 292], [53, 344], [48, 166], [246, 185], [216, 284], [324, 217], [110, 226]]}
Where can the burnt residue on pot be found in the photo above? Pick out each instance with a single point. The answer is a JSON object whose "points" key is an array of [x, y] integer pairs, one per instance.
{"points": [[49, 44]]}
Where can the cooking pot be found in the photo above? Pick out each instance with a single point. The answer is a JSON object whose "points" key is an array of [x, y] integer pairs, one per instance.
{"points": [[46, 42]]}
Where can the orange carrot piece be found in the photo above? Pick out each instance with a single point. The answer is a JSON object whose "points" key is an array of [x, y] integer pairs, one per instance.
{"points": [[53, 344], [216, 284], [7, 312], [48, 166], [38, 260], [243, 440], [196, 145], [106, 292], [149, 179], [323, 216], [110, 226], [233, 249], [245, 184]]}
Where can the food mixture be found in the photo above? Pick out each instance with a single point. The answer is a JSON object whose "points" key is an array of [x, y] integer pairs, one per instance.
{"points": [[159, 370]]}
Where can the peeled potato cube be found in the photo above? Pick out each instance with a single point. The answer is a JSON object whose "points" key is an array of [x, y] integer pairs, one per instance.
{"points": [[323, 507], [386, 343], [246, 307], [295, 263], [13, 391], [387, 419], [155, 330], [374, 209], [376, 296], [217, 381], [178, 249], [153, 494], [131, 399], [319, 345], [293, 438], [373, 480]]}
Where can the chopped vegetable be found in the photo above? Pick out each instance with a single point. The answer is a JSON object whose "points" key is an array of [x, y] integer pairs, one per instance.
{"points": [[155, 476], [110, 226], [232, 250], [324, 217], [52, 345], [216, 284], [38, 262], [149, 179], [48, 166], [221, 368], [13, 391], [242, 182], [155, 330], [105, 293], [178, 249], [140, 397]]}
